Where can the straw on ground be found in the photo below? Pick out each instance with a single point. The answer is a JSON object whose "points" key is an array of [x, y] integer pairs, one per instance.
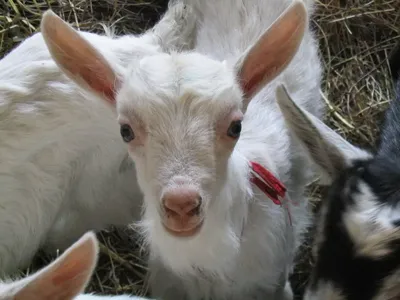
{"points": [[356, 37]]}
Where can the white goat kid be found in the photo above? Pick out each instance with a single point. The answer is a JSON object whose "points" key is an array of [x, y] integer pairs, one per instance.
{"points": [[211, 234], [63, 167], [63, 279]]}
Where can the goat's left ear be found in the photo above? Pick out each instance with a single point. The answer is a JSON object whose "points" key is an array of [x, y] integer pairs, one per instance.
{"points": [[67, 276], [79, 60], [273, 51], [326, 148]]}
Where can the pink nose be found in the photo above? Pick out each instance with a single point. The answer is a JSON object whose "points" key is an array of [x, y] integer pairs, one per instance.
{"points": [[182, 211], [182, 202]]}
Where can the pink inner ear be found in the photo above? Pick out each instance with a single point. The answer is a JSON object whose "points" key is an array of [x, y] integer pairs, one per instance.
{"points": [[70, 271], [67, 276], [97, 82], [81, 61], [265, 62], [274, 50]]}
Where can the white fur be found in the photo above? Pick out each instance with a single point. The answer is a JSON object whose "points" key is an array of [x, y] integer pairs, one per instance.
{"points": [[64, 279], [62, 169], [96, 297], [326, 291], [244, 250], [10, 288], [70, 166], [369, 223]]}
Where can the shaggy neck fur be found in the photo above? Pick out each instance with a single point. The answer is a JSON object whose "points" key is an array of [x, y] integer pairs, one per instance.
{"points": [[230, 203]]}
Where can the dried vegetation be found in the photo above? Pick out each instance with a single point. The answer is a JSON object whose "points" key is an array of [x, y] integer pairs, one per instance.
{"points": [[355, 36]]}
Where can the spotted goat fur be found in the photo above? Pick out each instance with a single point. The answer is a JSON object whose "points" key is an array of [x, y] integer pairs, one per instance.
{"points": [[357, 243]]}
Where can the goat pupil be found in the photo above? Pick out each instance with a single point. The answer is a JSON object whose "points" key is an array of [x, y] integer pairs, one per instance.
{"points": [[127, 133], [234, 129]]}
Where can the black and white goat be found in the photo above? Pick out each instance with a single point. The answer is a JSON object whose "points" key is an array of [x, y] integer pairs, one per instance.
{"points": [[357, 245]]}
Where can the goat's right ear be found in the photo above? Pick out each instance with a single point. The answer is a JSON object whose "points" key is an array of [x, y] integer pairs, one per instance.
{"points": [[273, 51], [330, 152], [67, 276], [77, 58]]}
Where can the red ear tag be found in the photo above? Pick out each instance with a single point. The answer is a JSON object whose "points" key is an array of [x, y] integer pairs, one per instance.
{"points": [[269, 185]]}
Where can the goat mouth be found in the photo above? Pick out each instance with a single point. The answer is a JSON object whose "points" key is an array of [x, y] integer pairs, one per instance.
{"points": [[183, 233]]}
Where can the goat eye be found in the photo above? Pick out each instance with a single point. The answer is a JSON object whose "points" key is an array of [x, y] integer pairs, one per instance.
{"points": [[234, 129], [127, 133]]}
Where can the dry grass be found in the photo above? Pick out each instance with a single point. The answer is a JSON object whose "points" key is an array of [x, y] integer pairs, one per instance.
{"points": [[21, 18], [356, 37]]}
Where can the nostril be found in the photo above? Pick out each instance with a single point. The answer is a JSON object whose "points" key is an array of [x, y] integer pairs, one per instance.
{"points": [[170, 212], [181, 203], [195, 211], [190, 211]]}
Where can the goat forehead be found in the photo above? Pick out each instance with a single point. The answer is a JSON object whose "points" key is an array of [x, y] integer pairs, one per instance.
{"points": [[384, 176], [171, 83]]}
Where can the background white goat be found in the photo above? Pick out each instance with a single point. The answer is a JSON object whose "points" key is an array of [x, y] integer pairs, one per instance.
{"points": [[63, 164], [211, 233], [64, 279]]}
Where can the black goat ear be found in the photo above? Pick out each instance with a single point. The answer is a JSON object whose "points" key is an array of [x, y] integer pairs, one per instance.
{"points": [[394, 62], [327, 149]]}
